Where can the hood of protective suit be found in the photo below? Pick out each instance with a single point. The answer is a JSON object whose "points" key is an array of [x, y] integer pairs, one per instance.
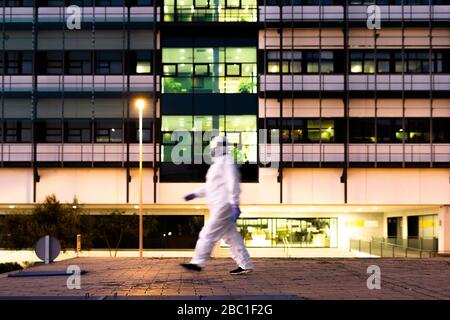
{"points": [[218, 147]]}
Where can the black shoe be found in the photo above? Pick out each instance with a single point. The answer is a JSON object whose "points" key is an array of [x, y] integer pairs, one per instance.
{"points": [[240, 271], [191, 266]]}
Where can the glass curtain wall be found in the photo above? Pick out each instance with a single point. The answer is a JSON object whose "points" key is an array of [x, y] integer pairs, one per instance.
{"points": [[240, 130], [293, 232], [210, 11], [209, 70]]}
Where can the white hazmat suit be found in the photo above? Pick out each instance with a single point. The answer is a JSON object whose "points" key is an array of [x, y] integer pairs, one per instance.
{"points": [[222, 192]]}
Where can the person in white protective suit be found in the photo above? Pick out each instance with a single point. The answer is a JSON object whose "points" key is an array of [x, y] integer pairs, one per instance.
{"points": [[222, 191]]}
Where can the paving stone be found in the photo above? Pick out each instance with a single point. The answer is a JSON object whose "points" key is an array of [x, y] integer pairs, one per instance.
{"points": [[307, 278]]}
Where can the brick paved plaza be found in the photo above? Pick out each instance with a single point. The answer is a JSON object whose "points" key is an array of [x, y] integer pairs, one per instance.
{"points": [[274, 278]]}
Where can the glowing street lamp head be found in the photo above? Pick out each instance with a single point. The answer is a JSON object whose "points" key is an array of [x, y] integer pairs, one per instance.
{"points": [[140, 104]]}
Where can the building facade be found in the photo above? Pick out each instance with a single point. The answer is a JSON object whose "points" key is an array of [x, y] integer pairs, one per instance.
{"points": [[341, 126]]}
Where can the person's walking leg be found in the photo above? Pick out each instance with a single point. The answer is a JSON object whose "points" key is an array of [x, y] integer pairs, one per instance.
{"points": [[237, 247], [211, 232]]}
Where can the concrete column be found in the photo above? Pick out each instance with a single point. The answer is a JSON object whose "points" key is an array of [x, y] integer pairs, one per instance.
{"points": [[404, 226], [444, 229]]}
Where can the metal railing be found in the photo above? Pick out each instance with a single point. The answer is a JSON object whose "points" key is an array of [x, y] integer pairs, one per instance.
{"points": [[399, 152], [79, 83], [89, 14], [422, 243], [392, 13], [379, 248], [335, 82], [73, 152]]}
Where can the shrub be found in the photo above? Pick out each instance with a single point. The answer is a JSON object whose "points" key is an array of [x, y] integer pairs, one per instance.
{"points": [[9, 266], [62, 221]]}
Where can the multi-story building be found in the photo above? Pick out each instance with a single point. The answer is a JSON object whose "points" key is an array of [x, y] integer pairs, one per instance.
{"points": [[362, 115]]}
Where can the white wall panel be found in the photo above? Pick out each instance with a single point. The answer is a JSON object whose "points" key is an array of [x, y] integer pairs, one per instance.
{"points": [[89, 185], [399, 186], [16, 185], [313, 186]]}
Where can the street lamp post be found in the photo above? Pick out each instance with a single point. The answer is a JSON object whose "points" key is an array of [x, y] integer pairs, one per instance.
{"points": [[140, 104]]}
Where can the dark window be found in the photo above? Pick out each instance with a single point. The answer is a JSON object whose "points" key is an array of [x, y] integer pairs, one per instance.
{"points": [[53, 131], [293, 130], [16, 63], [108, 131], [417, 130], [54, 62], [441, 130], [389, 131], [16, 3], [109, 62], [78, 131], [85, 3], [418, 62], [133, 131], [362, 130], [79, 62], [16, 131], [308, 2], [109, 3]]}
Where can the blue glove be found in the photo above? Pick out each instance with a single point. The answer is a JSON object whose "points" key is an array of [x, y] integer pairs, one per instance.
{"points": [[190, 197], [235, 213]]}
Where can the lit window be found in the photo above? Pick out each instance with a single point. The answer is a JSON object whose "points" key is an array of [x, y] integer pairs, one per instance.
{"points": [[233, 4], [170, 69], [233, 70], [356, 67], [273, 67], [143, 67]]}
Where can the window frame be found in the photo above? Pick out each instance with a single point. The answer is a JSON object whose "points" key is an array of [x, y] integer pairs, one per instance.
{"points": [[239, 65]]}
